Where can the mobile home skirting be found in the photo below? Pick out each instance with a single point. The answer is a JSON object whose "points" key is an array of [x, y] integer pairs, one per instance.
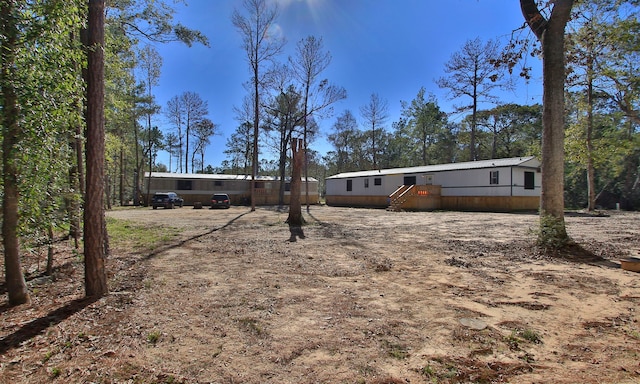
{"points": [[490, 203], [449, 203]]}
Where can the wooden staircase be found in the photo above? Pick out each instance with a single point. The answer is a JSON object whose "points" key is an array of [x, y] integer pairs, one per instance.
{"points": [[400, 196]]}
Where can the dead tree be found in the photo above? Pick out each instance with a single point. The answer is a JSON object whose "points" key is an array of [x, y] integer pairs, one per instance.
{"points": [[295, 206]]}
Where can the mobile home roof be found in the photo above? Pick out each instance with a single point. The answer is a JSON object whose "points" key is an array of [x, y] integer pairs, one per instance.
{"points": [[529, 161]]}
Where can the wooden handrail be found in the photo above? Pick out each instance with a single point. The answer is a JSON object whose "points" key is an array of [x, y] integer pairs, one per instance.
{"points": [[409, 189], [400, 188]]}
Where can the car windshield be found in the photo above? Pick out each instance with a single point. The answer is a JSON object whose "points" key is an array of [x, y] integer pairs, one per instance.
{"points": [[160, 196], [220, 197]]}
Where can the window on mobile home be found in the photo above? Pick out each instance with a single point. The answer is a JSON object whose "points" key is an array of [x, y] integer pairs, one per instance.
{"points": [[366, 183], [493, 177], [349, 185], [377, 181], [185, 185], [529, 180]]}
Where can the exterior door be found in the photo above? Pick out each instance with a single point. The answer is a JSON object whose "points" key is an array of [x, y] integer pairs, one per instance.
{"points": [[409, 180]]}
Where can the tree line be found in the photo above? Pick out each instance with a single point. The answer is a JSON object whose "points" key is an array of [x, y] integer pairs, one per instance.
{"points": [[425, 134]]}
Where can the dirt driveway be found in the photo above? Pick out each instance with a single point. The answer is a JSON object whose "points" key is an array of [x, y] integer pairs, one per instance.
{"points": [[363, 296]]}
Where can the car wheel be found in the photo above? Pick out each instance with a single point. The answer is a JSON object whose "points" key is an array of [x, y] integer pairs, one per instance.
{"points": [[154, 207]]}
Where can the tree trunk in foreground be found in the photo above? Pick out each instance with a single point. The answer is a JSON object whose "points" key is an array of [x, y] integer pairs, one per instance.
{"points": [[95, 234], [16, 285], [550, 33]]}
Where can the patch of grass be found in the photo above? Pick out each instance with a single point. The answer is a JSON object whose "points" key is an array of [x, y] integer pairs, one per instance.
{"points": [[48, 356], [633, 333], [531, 336], [397, 351], [129, 235], [428, 371], [521, 335], [153, 337], [56, 372]]}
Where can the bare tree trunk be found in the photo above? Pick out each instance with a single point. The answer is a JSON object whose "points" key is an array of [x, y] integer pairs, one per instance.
{"points": [[95, 234], [139, 165], [474, 117], [16, 285], [256, 122], [73, 207], [304, 142], [295, 206], [591, 183], [50, 250], [121, 169]]}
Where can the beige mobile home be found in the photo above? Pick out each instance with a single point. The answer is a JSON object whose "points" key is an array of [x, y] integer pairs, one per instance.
{"points": [[193, 187], [499, 185]]}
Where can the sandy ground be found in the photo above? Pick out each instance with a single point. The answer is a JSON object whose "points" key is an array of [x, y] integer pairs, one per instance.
{"points": [[354, 296]]}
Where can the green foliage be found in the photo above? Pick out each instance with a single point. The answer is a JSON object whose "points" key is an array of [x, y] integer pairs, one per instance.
{"points": [[517, 337], [48, 356], [151, 20], [509, 130], [603, 52], [56, 372], [48, 85], [153, 337], [428, 371], [531, 336], [424, 131]]}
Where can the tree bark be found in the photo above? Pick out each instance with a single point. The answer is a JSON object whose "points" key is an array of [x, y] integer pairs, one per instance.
{"points": [[295, 205], [16, 285], [550, 33], [591, 173], [95, 235]]}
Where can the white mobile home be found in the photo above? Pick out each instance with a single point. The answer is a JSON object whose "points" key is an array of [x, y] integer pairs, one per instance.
{"points": [[195, 187], [511, 184]]}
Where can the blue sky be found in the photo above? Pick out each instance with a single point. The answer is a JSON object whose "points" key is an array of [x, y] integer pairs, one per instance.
{"points": [[388, 47]]}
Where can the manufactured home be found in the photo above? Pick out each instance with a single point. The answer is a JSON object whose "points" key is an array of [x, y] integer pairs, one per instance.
{"points": [[498, 185], [194, 187]]}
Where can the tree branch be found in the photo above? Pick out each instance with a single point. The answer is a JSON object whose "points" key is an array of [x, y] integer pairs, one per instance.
{"points": [[533, 17]]}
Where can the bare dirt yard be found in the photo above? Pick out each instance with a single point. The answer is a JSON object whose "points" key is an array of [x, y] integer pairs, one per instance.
{"points": [[354, 296]]}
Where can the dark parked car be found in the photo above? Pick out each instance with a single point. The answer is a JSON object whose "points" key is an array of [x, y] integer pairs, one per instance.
{"points": [[166, 200], [220, 200]]}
